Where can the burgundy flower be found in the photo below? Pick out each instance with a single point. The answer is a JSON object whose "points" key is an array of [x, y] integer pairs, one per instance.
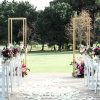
{"points": [[15, 51], [7, 53], [97, 51]]}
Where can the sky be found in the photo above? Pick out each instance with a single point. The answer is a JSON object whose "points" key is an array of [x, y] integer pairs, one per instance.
{"points": [[40, 4]]}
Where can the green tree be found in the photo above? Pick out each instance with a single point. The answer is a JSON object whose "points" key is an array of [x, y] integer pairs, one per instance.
{"points": [[92, 6], [52, 24], [15, 9], [42, 28], [62, 13]]}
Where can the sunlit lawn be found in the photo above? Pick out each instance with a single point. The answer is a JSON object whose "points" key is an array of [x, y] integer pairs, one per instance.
{"points": [[50, 62]]}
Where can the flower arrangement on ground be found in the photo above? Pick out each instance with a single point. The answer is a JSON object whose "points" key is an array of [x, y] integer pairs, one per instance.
{"points": [[78, 65], [24, 70]]}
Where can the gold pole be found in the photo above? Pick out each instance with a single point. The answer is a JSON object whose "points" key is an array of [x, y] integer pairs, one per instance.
{"points": [[80, 36], [89, 32], [26, 32], [8, 31], [23, 30], [11, 31], [25, 41], [74, 43]]}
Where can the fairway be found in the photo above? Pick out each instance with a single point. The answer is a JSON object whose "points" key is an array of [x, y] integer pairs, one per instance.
{"points": [[49, 62]]}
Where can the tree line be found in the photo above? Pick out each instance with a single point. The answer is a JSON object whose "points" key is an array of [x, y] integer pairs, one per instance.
{"points": [[49, 26]]}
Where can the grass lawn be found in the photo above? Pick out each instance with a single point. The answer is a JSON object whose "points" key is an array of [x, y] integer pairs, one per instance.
{"points": [[49, 62]]}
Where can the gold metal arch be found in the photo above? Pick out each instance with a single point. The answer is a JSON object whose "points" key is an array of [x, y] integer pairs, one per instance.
{"points": [[10, 32], [74, 35]]}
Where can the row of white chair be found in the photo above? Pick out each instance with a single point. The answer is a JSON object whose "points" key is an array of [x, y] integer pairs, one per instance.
{"points": [[10, 78], [92, 72]]}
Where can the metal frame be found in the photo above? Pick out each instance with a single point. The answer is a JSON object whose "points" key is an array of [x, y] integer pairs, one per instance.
{"points": [[74, 35], [10, 32]]}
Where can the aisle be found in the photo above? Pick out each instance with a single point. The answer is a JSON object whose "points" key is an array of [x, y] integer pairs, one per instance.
{"points": [[53, 87]]}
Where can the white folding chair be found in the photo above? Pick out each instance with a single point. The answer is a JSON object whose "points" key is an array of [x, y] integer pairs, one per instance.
{"points": [[4, 80], [97, 75], [86, 71], [12, 74], [16, 75], [19, 69], [90, 74]]}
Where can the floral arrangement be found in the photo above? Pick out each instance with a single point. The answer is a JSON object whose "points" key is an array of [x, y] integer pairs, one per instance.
{"points": [[96, 51], [79, 69], [7, 53], [12, 51], [93, 51], [15, 51], [24, 70], [89, 51], [79, 63], [86, 50]]}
